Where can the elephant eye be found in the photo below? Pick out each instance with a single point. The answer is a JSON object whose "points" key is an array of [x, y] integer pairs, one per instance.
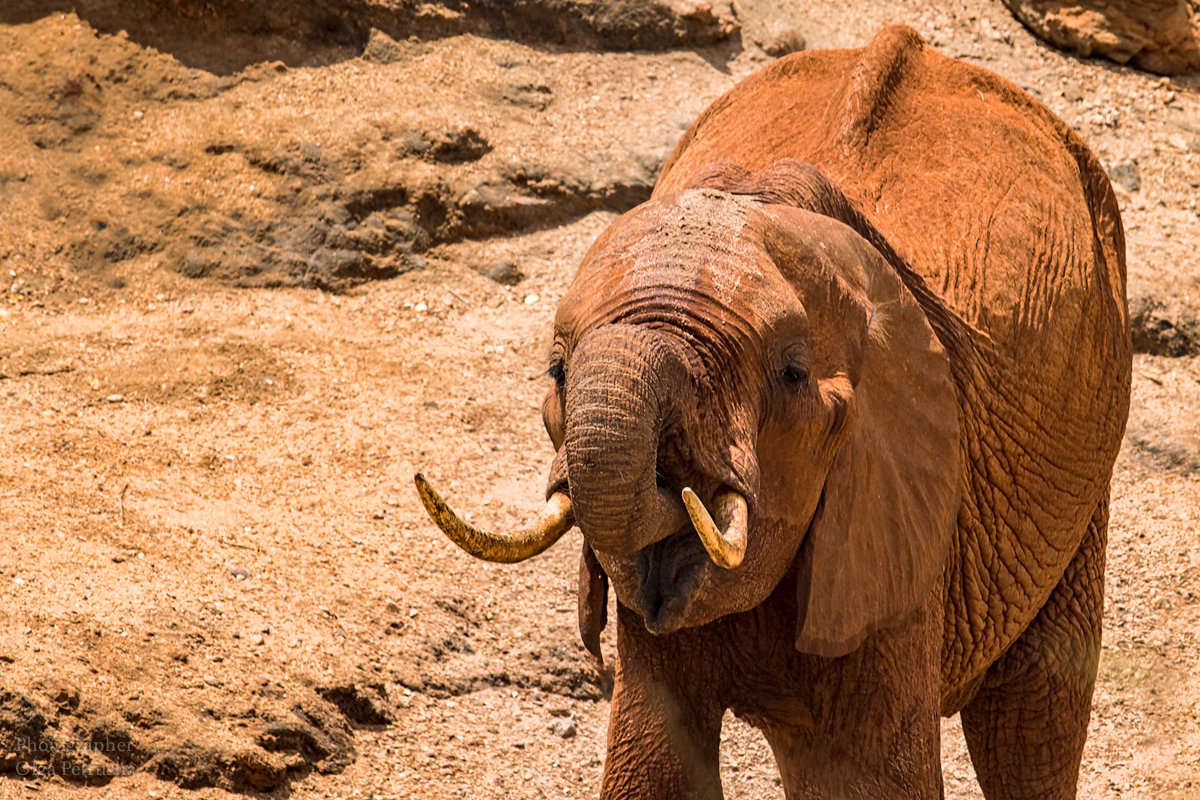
{"points": [[795, 376], [558, 372]]}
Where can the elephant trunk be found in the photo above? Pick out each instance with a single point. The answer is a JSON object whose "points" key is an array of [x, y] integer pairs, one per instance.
{"points": [[624, 385]]}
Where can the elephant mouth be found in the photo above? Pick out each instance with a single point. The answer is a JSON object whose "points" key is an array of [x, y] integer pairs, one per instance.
{"points": [[670, 574]]}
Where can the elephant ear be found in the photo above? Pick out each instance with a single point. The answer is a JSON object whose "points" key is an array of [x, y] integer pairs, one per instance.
{"points": [[879, 538]]}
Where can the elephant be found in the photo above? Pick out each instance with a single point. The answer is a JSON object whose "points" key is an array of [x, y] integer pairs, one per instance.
{"points": [[836, 412]]}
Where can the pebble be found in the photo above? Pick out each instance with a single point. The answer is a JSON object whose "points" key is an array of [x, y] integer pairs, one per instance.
{"points": [[505, 273], [564, 727], [781, 41], [530, 299], [1126, 174]]}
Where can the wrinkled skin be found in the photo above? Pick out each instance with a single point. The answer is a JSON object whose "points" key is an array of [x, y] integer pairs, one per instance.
{"points": [[878, 294]]}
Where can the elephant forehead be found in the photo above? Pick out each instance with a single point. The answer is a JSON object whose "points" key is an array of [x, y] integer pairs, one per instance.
{"points": [[696, 252]]}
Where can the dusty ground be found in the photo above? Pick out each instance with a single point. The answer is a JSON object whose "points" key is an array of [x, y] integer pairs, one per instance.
{"points": [[248, 300]]}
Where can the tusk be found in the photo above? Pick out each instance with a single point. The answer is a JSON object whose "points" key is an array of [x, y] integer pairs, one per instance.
{"points": [[555, 520], [725, 547]]}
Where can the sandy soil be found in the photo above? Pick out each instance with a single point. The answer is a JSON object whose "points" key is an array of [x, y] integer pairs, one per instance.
{"points": [[246, 301]]}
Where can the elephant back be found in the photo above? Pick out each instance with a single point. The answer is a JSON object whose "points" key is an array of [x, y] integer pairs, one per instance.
{"points": [[994, 201]]}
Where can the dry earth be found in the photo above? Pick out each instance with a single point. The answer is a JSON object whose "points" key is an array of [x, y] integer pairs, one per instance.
{"points": [[259, 276]]}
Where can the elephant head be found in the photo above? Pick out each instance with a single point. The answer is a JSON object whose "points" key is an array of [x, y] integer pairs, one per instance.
{"points": [[740, 381]]}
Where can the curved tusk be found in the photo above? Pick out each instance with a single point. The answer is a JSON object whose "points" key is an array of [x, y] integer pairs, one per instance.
{"points": [[725, 547], [555, 520]]}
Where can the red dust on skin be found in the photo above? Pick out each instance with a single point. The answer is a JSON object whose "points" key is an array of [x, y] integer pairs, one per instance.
{"points": [[918, 537]]}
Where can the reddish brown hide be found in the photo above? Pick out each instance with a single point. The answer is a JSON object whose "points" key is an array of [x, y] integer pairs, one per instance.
{"points": [[878, 299]]}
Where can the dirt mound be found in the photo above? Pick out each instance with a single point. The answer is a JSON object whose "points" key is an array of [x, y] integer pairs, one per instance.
{"points": [[214, 177], [319, 32]]}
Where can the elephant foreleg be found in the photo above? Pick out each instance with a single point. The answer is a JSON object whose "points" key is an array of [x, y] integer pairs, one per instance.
{"points": [[870, 728], [664, 725], [1026, 727]]}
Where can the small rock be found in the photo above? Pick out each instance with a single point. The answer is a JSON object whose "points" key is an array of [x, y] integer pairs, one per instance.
{"points": [[338, 262], [505, 273], [196, 265], [532, 94], [1163, 328], [1126, 174], [782, 41], [259, 770], [457, 146], [1177, 141], [240, 573], [173, 158], [564, 727], [381, 48]]}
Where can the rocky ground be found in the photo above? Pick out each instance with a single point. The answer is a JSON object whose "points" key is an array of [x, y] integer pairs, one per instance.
{"points": [[259, 270]]}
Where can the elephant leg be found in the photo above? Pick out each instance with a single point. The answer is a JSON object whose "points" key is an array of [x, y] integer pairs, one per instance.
{"points": [[665, 722], [870, 725], [809, 768], [1026, 727]]}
